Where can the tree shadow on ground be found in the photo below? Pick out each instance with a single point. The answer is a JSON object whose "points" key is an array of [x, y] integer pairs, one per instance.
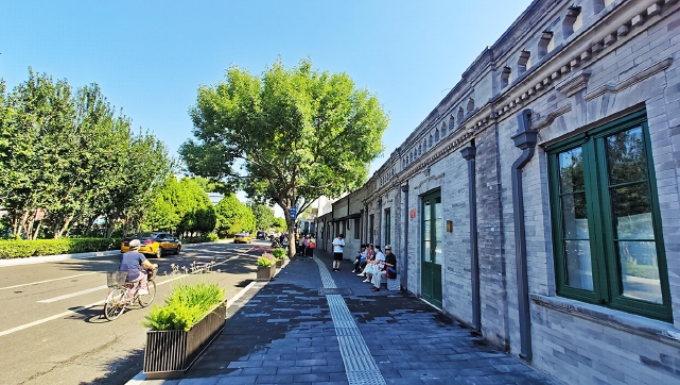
{"points": [[119, 371]]}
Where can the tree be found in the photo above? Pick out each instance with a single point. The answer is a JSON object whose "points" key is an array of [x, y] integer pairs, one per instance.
{"points": [[280, 224], [297, 134], [233, 217], [197, 214], [264, 216]]}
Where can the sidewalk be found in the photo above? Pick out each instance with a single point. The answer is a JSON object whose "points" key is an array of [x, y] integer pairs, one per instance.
{"points": [[314, 326]]}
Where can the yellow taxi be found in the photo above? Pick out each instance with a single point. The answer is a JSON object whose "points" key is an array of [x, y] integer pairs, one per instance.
{"points": [[242, 238], [153, 244]]}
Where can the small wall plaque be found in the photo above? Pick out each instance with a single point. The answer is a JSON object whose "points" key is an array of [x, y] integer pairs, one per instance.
{"points": [[449, 226]]}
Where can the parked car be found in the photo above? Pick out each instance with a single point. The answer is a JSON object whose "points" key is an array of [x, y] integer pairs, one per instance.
{"points": [[261, 235], [153, 244], [242, 238]]}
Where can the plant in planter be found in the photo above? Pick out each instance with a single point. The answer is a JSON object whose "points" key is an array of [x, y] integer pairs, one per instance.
{"points": [[192, 316], [280, 256], [265, 267]]}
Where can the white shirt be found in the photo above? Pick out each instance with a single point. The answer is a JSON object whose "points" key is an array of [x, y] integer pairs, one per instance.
{"points": [[380, 258], [338, 245]]}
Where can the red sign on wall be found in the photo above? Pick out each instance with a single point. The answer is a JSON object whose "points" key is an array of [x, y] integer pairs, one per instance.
{"points": [[413, 213]]}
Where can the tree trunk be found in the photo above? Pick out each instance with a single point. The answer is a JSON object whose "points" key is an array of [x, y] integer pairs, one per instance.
{"points": [[64, 228], [37, 231]]}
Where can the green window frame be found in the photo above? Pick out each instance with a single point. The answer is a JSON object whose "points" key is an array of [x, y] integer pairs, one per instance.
{"points": [[607, 236], [388, 227]]}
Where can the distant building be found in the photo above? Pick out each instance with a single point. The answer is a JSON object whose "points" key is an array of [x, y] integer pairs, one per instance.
{"points": [[215, 198]]}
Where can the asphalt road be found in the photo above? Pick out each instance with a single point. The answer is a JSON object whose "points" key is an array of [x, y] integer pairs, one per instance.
{"points": [[51, 326]]}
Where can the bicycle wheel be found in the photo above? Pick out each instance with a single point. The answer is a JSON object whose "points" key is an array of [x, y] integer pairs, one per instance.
{"points": [[145, 300], [115, 304]]}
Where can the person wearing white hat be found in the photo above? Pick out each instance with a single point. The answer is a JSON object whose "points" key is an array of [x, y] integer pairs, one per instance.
{"points": [[136, 264]]}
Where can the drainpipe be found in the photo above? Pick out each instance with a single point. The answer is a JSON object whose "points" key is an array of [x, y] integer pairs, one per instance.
{"points": [[525, 139], [380, 223], [403, 265], [469, 153]]}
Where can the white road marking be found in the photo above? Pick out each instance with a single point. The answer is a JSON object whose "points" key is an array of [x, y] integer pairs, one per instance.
{"points": [[46, 281], [67, 296], [81, 308], [42, 321]]}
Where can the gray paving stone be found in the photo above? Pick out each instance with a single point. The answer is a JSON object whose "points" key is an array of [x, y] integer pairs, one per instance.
{"points": [[410, 342]]}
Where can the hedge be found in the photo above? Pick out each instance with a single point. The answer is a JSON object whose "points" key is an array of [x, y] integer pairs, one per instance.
{"points": [[24, 249]]}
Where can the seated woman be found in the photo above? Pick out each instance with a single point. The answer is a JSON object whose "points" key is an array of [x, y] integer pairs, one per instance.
{"points": [[376, 265], [370, 255], [359, 259]]}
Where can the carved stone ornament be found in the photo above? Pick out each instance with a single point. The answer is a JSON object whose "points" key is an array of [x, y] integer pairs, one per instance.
{"points": [[574, 84]]}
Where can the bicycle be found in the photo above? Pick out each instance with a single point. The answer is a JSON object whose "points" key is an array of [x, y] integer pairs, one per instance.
{"points": [[122, 293]]}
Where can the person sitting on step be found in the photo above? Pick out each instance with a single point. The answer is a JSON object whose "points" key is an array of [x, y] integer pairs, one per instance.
{"points": [[370, 255], [359, 259], [390, 263], [376, 264]]}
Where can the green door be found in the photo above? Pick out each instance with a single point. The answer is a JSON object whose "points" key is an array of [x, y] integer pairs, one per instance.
{"points": [[431, 252]]}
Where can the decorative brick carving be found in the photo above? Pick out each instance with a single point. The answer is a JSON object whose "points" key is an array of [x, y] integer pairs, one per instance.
{"points": [[654, 10], [637, 20]]}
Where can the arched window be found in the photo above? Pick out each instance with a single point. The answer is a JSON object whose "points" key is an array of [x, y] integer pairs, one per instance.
{"points": [[461, 115], [436, 134], [443, 129], [429, 145], [572, 21], [452, 124], [524, 61], [505, 77], [545, 44], [470, 106]]}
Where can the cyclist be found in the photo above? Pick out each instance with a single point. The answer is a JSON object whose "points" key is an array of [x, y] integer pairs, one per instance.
{"points": [[136, 266]]}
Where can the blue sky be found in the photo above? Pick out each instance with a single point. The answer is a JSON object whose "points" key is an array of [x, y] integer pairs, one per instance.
{"points": [[149, 57]]}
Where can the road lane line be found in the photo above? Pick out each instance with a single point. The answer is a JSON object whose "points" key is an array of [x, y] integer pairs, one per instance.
{"points": [[46, 281], [81, 308], [56, 316], [67, 296], [87, 291]]}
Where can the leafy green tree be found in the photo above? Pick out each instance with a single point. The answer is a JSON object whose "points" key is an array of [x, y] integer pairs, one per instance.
{"points": [[297, 133], [280, 224], [70, 156], [264, 216], [233, 217], [197, 214]]}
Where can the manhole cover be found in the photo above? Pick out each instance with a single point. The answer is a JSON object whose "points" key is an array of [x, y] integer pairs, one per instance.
{"points": [[331, 291]]}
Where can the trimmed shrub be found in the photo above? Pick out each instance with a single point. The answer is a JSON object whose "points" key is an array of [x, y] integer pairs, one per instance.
{"points": [[20, 248], [279, 253], [642, 271], [186, 305]]}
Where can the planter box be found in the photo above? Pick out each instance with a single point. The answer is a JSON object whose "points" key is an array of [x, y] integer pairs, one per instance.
{"points": [[265, 274], [279, 263], [170, 353]]}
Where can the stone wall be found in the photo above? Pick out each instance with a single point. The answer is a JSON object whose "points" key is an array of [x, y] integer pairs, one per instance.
{"points": [[575, 65]]}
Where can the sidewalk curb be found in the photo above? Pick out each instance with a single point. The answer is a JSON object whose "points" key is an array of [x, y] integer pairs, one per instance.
{"points": [[140, 377], [64, 257]]}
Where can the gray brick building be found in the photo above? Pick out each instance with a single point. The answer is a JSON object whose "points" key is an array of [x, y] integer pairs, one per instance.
{"points": [[539, 201]]}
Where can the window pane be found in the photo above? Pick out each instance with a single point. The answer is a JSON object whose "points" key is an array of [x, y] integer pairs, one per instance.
{"points": [[640, 271], [427, 257], [626, 157], [438, 253], [574, 216], [427, 234], [427, 214], [579, 269], [571, 171], [632, 212]]}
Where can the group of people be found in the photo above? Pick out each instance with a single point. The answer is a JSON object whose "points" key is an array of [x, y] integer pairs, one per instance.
{"points": [[374, 265], [306, 245]]}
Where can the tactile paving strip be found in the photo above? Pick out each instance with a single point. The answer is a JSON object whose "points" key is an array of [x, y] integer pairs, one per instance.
{"points": [[359, 363]]}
